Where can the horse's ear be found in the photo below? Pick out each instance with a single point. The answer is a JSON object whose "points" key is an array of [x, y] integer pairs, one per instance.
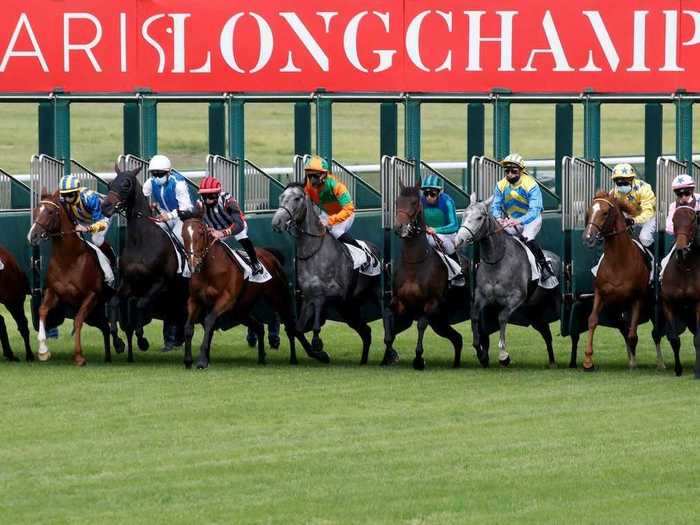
{"points": [[402, 186], [44, 193], [134, 172], [472, 198]]}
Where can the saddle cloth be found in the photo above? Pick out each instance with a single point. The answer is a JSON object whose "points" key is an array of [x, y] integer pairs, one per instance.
{"points": [[104, 264], [664, 261], [454, 270], [646, 253], [547, 284], [241, 258], [183, 267], [363, 259]]}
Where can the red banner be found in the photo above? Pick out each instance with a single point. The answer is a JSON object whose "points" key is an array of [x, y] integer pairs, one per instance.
{"points": [[359, 46]]}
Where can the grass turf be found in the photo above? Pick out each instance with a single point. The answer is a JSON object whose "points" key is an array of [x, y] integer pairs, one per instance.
{"points": [[153, 443]]}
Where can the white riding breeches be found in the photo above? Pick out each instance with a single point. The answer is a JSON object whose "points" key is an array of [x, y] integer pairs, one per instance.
{"points": [[446, 239], [98, 238], [243, 234], [646, 232], [339, 229], [529, 231]]}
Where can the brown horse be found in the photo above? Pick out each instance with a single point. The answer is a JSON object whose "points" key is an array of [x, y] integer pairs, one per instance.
{"points": [[13, 289], [420, 290], [74, 280], [220, 297], [680, 286], [622, 281]]}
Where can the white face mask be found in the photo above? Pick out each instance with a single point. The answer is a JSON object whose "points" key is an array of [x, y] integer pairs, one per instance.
{"points": [[626, 188], [160, 180]]}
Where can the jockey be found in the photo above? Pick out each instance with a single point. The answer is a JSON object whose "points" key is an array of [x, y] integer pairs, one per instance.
{"points": [[337, 208], [517, 205], [440, 213], [224, 217], [84, 207], [684, 188], [168, 192], [631, 189]]}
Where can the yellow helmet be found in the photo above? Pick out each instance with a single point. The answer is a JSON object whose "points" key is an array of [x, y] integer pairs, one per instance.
{"points": [[623, 171], [515, 159]]}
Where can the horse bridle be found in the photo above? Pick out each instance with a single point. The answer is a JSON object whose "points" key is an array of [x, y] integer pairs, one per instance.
{"points": [[600, 234], [46, 234], [691, 237], [415, 228]]}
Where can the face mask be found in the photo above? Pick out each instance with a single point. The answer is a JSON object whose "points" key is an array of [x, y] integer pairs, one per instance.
{"points": [[160, 180], [513, 179], [70, 198], [626, 188]]}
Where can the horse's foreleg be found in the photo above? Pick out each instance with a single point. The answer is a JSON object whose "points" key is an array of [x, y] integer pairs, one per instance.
{"points": [[632, 337], [696, 341], [104, 328], [353, 318], [224, 303], [393, 324], [83, 312], [17, 312], [418, 361], [442, 328], [480, 341], [546, 333], [592, 325], [673, 336], [259, 329], [316, 341], [112, 320], [5, 342], [193, 311], [49, 301]]}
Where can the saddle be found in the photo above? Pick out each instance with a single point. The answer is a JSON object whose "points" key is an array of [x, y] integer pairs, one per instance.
{"points": [[241, 259], [183, 266], [536, 275], [363, 260]]}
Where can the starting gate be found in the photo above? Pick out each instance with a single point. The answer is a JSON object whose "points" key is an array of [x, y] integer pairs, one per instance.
{"points": [[14, 214]]}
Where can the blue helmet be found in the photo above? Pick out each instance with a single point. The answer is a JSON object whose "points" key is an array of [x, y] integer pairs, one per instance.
{"points": [[431, 181]]}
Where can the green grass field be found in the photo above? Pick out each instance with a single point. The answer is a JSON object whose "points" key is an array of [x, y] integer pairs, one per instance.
{"points": [[240, 443]]}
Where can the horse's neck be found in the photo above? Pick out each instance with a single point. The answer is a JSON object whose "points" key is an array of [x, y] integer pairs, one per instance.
{"points": [[493, 243], [68, 244], [139, 205], [312, 225], [617, 246], [138, 218], [414, 247]]}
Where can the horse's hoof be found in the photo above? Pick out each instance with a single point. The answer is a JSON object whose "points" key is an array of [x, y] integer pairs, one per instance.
{"points": [[573, 365], [201, 365], [504, 362], [324, 357], [108, 359], [143, 344], [390, 358], [317, 345], [188, 365], [262, 362], [11, 358], [80, 361], [660, 367], [119, 346], [274, 342], [552, 366], [293, 362], [679, 372], [44, 356], [591, 368], [419, 363], [167, 348], [130, 359], [252, 340], [29, 358]]}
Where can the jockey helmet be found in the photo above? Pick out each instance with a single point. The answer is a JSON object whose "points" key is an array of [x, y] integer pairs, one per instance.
{"points": [[431, 181], [515, 159], [159, 163], [683, 181], [69, 184], [316, 164], [624, 171], [210, 185]]}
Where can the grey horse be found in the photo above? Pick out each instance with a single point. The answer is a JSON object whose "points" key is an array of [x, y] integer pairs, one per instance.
{"points": [[504, 290], [324, 272]]}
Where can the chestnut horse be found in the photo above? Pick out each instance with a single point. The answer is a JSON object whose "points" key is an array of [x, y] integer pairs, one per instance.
{"points": [[622, 281], [680, 286], [220, 297], [13, 289], [74, 280]]}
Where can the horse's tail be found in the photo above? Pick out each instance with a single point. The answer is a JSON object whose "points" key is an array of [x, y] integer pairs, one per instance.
{"points": [[277, 254]]}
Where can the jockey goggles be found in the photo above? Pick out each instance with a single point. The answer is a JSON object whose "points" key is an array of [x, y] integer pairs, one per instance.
{"points": [[683, 192], [511, 169], [431, 193]]}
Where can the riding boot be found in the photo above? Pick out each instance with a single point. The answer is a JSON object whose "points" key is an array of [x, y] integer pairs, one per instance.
{"points": [[169, 335], [250, 251], [541, 260]]}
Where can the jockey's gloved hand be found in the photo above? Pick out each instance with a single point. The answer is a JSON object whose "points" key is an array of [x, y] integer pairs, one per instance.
{"points": [[629, 221]]}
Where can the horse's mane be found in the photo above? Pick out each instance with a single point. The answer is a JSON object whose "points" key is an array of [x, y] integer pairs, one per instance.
{"points": [[624, 206], [294, 184], [409, 191]]}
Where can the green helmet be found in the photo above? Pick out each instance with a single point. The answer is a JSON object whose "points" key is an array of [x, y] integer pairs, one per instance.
{"points": [[431, 181]]}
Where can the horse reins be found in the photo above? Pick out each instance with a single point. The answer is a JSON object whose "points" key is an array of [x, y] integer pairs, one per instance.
{"points": [[46, 235], [601, 229]]}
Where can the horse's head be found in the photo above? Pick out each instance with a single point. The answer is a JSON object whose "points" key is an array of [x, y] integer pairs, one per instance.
{"points": [[292, 210], [48, 219], [475, 222], [121, 191], [197, 241], [409, 221], [685, 225], [604, 218]]}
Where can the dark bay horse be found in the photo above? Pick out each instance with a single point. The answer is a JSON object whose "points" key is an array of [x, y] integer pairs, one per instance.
{"points": [[150, 286], [14, 287], [325, 273], [622, 282], [680, 286], [420, 284], [221, 297], [74, 280], [504, 289]]}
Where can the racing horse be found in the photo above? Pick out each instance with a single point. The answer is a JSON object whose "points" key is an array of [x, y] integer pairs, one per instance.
{"points": [[420, 288], [325, 273], [504, 290], [150, 286], [680, 286], [14, 287], [220, 296], [74, 281], [622, 280]]}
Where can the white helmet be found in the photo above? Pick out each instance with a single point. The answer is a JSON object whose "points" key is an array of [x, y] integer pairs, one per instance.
{"points": [[683, 181], [159, 163]]}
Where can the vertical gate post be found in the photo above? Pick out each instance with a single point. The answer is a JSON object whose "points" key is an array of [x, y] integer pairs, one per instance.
{"points": [[302, 128], [54, 130], [412, 133], [132, 128], [501, 125], [236, 144], [149, 127], [217, 128], [653, 139], [564, 140], [684, 131], [591, 135], [475, 140], [388, 129], [324, 128]]}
